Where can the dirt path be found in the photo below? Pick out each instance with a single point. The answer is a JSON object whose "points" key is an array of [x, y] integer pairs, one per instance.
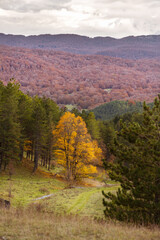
{"points": [[93, 183], [80, 202]]}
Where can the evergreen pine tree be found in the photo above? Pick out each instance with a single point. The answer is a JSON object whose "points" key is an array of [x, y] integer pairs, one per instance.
{"points": [[52, 115], [38, 129], [9, 125], [137, 168], [25, 109], [92, 125]]}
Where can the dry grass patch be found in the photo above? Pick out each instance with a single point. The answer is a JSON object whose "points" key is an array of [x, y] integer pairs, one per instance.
{"points": [[35, 224]]}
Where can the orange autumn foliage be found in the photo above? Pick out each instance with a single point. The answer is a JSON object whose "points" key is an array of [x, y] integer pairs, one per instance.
{"points": [[75, 150]]}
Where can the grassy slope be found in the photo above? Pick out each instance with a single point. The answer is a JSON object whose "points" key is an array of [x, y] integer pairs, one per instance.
{"points": [[25, 186], [85, 201], [76, 209]]}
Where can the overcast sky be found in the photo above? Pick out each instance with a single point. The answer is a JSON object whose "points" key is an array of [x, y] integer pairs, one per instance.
{"points": [[85, 17]]}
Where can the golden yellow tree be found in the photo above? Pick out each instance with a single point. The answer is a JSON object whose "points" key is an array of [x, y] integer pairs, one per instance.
{"points": [[75, 149]]}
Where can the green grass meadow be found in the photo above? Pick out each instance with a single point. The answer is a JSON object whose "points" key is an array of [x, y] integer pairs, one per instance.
{"points": [[23, 186]]}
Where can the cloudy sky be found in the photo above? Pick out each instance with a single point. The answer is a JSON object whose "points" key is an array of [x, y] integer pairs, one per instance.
{"points": [[116, 18]]}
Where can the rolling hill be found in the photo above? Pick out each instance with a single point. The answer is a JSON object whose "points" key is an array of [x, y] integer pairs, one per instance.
{"points": [[85, 80]]}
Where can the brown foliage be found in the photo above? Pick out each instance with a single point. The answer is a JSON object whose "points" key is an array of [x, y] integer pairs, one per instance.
{"points": [[87, 81]]}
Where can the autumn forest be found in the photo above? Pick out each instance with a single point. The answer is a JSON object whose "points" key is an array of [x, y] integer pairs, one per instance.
{"points": [[38, 127], [66, 77]]}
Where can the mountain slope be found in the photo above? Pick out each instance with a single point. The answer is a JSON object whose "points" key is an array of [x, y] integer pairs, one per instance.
{"points": [[87, 81]]}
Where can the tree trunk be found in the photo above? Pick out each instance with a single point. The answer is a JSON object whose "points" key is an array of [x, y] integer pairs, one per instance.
{"points": [[1, 160], [157, 203], [5, 165], [49, 161], [21, 153], [36, 156], [32, 155]]}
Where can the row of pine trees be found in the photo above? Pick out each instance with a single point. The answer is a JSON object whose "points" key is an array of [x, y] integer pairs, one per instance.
{"points": [[26, 123]]}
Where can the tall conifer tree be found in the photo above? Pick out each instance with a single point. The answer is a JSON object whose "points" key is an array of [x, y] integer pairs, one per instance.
{"points": [[137, 168], [9, 125]]}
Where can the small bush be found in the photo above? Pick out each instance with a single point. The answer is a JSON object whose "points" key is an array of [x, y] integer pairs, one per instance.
{"points": [[44, 190]]}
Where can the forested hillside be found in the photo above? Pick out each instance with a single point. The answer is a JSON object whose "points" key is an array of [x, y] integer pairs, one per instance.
{"points": [[85, 81], [45, 133], [110, 110], [129, 47]]}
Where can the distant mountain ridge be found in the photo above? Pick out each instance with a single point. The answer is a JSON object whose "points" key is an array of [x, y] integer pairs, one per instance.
{"points": [[128, 47]]}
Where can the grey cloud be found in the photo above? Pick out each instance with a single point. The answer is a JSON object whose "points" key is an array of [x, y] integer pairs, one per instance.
{"points": [[34, 6]]}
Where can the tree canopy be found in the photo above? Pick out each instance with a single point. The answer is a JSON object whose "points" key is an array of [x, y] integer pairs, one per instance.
{"points": [[75, 151]]}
